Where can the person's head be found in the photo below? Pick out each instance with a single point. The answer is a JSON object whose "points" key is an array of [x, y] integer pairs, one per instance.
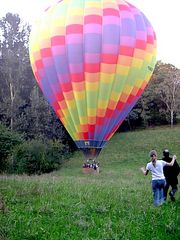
{"points": [[153, 155], [166, 153]]}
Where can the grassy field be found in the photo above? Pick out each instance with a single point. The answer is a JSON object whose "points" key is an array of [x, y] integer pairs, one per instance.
{"points": [[115, 204]]}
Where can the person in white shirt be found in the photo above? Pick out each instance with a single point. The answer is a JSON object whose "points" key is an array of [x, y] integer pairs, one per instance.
{"points": [[158, 178]]}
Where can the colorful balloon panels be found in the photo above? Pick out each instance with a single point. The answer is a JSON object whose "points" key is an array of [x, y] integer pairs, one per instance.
{"points": [[92, 59]]}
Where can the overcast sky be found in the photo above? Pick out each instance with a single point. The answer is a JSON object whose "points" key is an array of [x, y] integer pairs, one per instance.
{"points": [[163, 14]]}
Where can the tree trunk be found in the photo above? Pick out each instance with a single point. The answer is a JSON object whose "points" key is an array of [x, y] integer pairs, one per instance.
{"points": [[129, 124], [172, 118], [143, 114], [12, 104]]}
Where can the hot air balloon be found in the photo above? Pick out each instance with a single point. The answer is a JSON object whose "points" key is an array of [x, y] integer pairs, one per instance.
{"points": [[92, 60]]}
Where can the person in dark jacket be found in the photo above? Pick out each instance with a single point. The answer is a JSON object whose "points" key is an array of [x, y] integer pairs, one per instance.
{"points": [[171, 175]]}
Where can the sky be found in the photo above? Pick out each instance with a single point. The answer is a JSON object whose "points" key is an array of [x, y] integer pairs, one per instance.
{"points": [[164, 16]]}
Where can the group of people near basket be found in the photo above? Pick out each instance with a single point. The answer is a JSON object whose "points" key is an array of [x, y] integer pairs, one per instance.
{"points": [[94, 165], [164, 174]]}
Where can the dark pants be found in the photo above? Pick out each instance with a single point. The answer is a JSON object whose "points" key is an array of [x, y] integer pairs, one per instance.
{"points": [[174, 189]]}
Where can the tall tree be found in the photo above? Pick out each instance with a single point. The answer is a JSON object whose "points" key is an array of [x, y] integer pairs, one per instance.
{"points": [[168, 89], [22, 105], [160, 103], [14, 62]]}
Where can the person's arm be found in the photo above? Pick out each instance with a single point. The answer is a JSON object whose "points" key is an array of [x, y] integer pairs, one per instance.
{"points": [[145, 171], [172, 162]]}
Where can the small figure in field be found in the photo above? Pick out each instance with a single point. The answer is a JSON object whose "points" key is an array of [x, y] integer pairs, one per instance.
{"points": [[171, 175], [158, 179], [91, 164]]}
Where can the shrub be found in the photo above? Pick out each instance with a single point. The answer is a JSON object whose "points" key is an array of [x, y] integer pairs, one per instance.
{"points": [[8, 140], [36, 157]]}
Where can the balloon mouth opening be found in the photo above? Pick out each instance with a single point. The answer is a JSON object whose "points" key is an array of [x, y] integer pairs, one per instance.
{"points": [[90, 148], [91, 153]]}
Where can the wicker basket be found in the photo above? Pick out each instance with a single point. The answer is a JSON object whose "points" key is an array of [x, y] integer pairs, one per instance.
{"points": [[90, 170]]}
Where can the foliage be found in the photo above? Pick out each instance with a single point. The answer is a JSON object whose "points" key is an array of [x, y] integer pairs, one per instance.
{"points": [[23, 107], [161, 99], [18, 155], [36, 157], [168, 89], [115, 204], [14, 67], [8, 140]]}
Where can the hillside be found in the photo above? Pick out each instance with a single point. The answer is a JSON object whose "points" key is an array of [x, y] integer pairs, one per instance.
{"points": [[115, 204]]}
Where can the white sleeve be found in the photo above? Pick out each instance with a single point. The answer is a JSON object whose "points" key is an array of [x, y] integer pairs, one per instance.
{"points": [[163, 163], [147, 167]]}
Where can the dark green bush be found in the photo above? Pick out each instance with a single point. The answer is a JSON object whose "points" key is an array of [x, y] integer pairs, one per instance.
{"points": [[36, 157], [8, 140]]}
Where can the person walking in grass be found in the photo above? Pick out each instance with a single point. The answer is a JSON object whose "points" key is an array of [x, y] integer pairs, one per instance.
{"points": [[158, 179], [171, 175]]}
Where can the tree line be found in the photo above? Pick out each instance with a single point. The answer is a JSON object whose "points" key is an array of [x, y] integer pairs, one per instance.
{"points": [[160, 102], [23, 107], [24, 110]]}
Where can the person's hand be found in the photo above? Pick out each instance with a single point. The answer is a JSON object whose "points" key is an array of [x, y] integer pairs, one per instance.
{"points": [[142, 169], [145, 172]]}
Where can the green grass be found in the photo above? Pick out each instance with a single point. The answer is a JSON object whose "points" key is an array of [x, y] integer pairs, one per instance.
{"points": [[115, 204]]}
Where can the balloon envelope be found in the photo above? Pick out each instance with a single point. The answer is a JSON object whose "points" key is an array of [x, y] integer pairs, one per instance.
{"points": [[92, 60]]}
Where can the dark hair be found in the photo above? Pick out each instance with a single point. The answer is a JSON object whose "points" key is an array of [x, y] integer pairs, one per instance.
{"points": [[166, 153]]}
